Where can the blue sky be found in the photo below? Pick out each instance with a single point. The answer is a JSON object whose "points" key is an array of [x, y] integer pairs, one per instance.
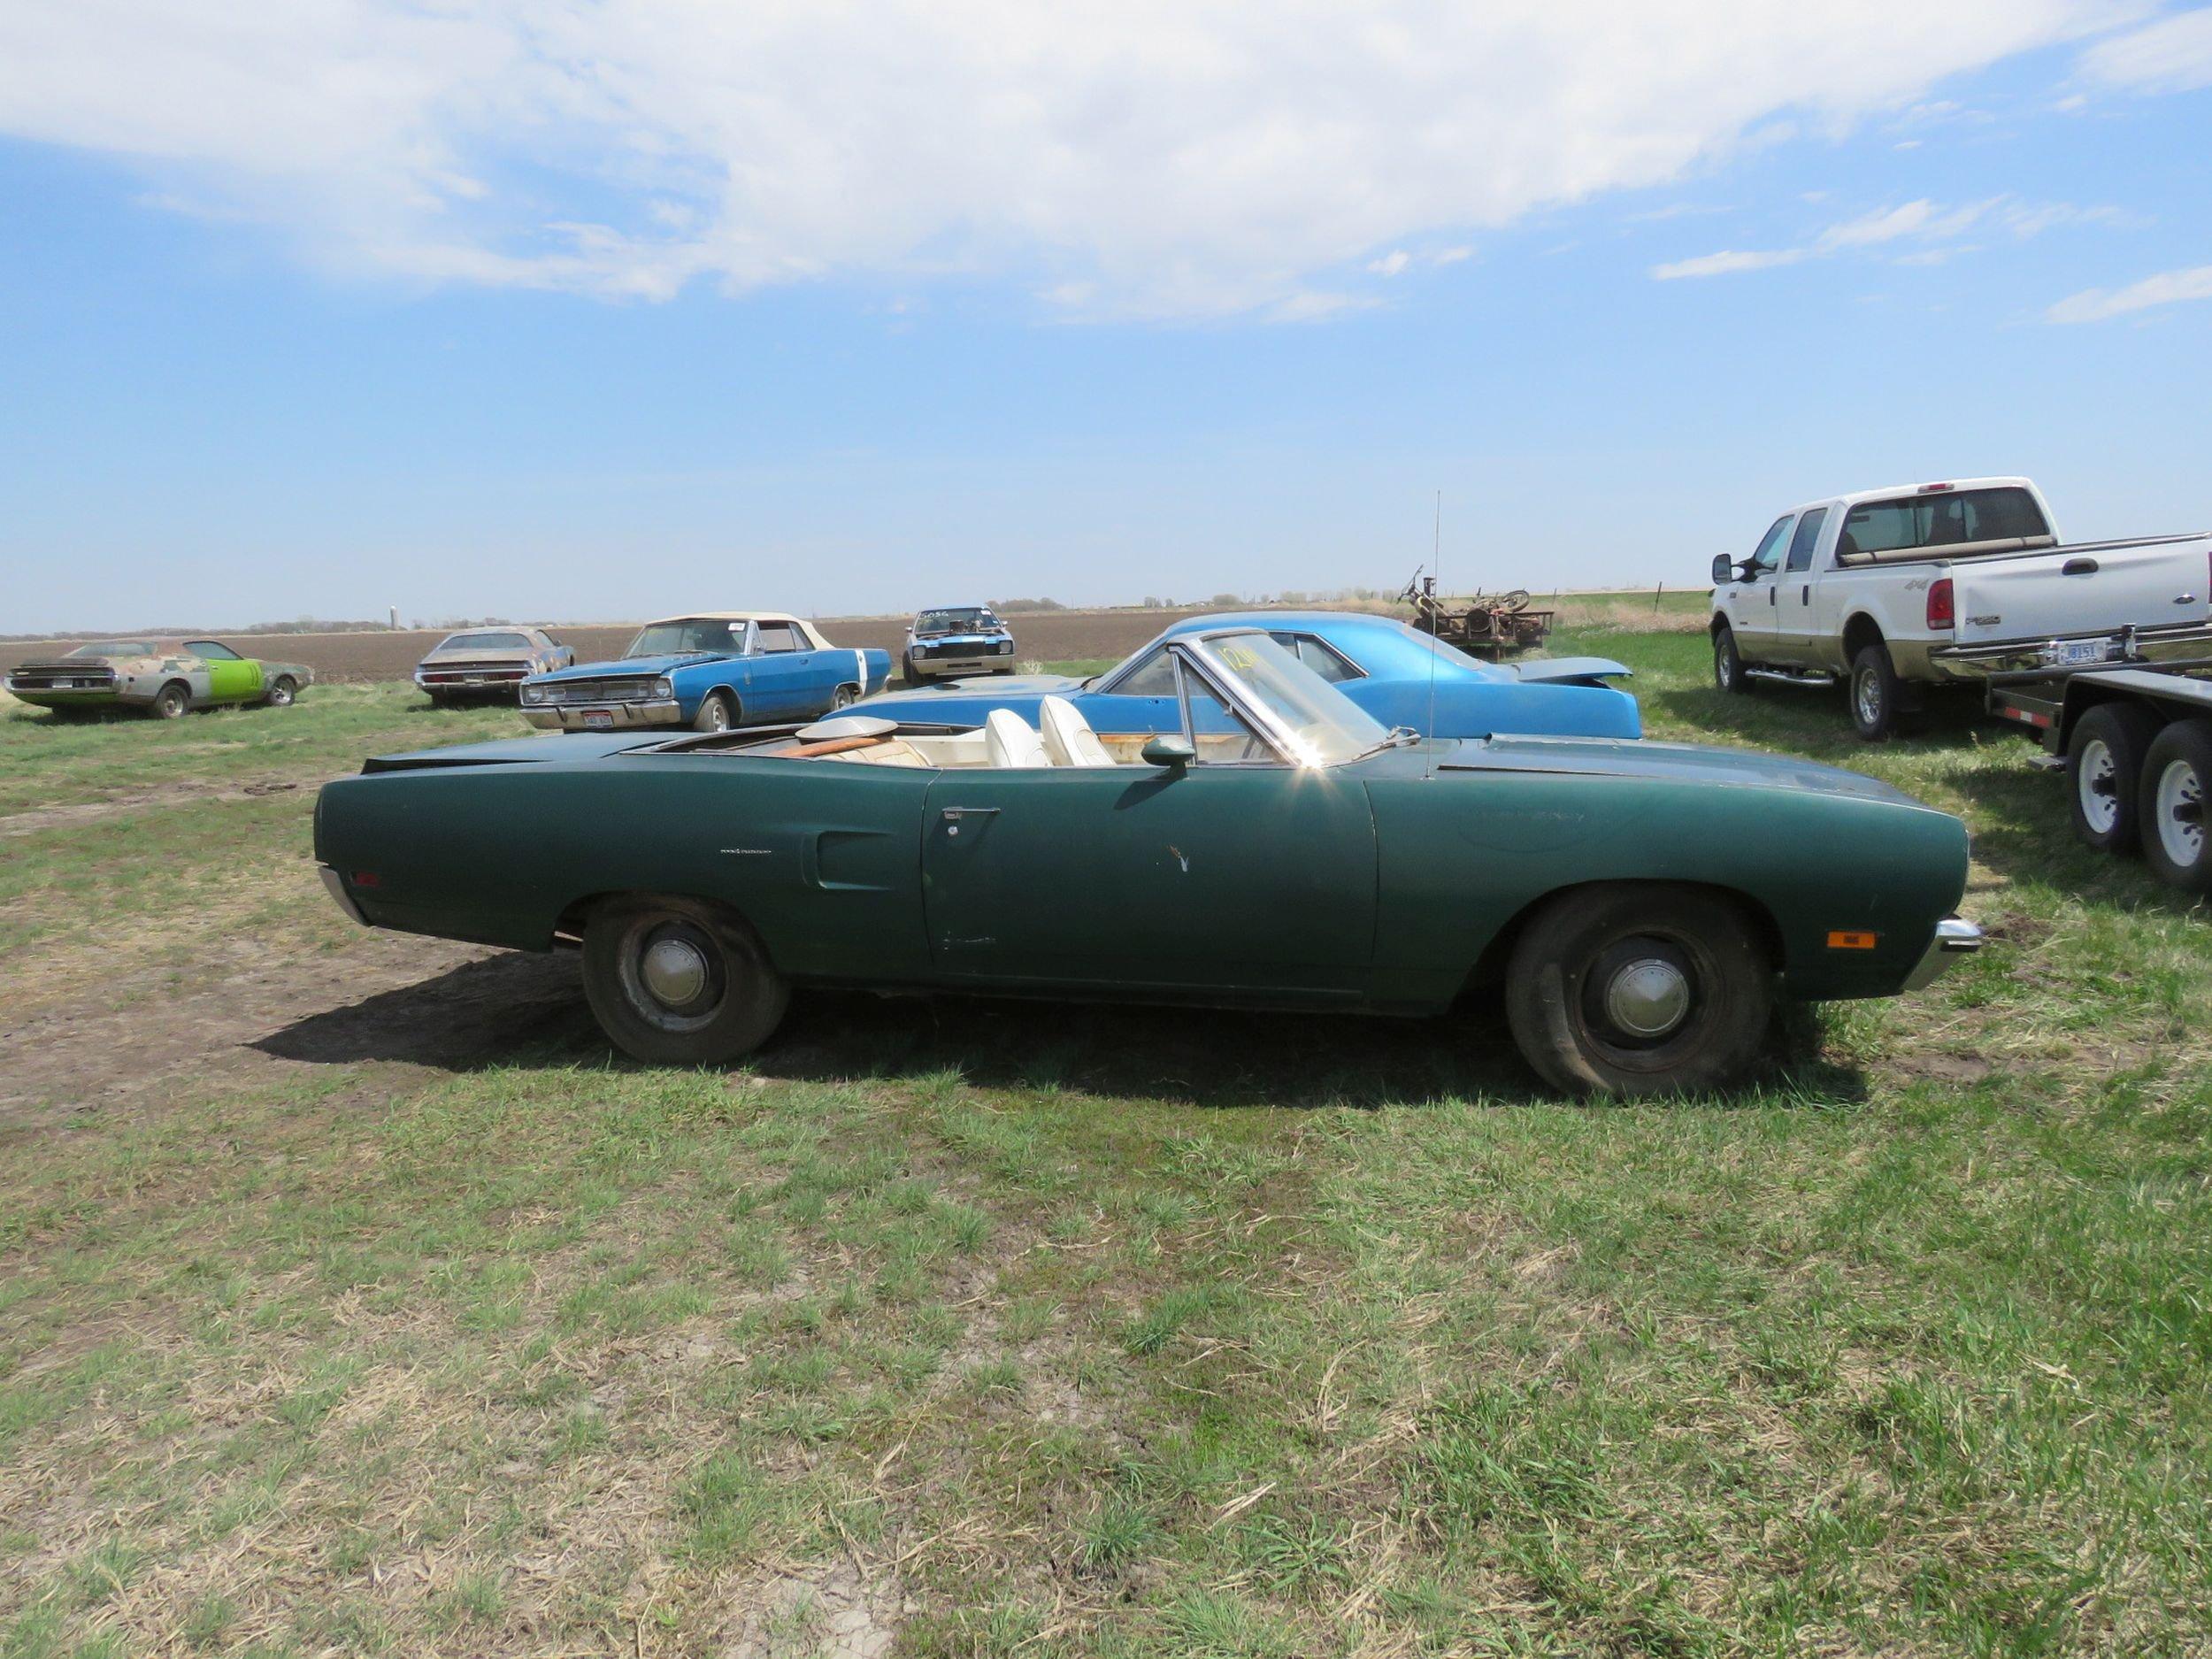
{"points": [[521, 319]]}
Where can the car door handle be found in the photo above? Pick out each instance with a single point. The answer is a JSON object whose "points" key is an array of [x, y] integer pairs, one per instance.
{"points": [[954, 815], [1805, 594], [2078, 567]]}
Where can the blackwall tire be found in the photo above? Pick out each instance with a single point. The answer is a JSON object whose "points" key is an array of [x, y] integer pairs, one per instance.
{"points": [[171, 701], [716, 713], [2104, 776], [284, 693], [674, 981], [1874, 693], [2170, 803], [1633, 991], [1728, 675]]}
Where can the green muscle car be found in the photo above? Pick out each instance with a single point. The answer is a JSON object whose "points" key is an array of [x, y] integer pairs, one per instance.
{"points": [[163, 678], [1640, 904]]}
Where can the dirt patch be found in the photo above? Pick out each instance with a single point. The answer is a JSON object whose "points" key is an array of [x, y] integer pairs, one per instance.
{"points": [[91, 811], [837, 1610]]}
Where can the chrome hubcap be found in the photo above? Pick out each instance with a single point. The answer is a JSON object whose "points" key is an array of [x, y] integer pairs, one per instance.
{"points": [[2100, 788], [1648, 997], [1869, 698], [674, 972], [2181, 813]]}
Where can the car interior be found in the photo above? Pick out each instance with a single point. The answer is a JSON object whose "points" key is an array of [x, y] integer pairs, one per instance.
{"points": [[1062, 737]]}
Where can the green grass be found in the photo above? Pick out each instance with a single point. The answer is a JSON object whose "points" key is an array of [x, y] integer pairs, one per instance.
{"points": [[1078, 1331]]}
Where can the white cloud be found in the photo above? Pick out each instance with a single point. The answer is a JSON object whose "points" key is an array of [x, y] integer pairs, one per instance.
{"points": [[2169, 287], [1391, 263], [1725, 263], [1933, 228], [1169, 157], [2171, 55]]}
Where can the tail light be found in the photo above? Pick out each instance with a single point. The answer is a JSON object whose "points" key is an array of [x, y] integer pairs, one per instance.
{"points": [[1942, 610]]}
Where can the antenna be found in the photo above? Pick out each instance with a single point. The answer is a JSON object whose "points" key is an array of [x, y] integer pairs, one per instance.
{"points": [[1436, 564]]}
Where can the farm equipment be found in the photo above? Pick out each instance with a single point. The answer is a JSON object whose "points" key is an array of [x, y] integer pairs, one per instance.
{"points": [[1488, 626]]}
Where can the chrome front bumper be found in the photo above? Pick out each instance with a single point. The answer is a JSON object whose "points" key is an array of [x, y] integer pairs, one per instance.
{"points": [[619, 717], [1955, 938], [2128, 647]]}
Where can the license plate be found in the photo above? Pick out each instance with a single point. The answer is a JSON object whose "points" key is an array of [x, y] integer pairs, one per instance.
{"points": [[598, 720], [476, 680], [2069, 653]]}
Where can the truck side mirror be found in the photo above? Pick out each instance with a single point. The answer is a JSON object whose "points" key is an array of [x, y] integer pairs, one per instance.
{"points": [[1723, 570]]}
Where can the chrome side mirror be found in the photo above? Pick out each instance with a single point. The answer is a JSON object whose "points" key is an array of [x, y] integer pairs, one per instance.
{"points": [[1169, 750]]}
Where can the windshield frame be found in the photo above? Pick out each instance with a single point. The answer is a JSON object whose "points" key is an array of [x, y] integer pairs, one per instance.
{"points": [[977, 619], [1201, 651], [741, 638], [114, 648]]}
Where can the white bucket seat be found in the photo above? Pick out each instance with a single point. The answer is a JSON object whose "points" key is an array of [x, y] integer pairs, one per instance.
{"points": [[1011, 740], [1069, 740]]}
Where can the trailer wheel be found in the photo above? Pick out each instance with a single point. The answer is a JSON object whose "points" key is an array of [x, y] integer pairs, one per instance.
{"points": [[1874, 693], [2177, 776], [2104, 772]]}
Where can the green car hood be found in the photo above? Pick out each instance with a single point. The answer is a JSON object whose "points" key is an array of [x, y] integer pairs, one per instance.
{"points": [[1672, 762]]}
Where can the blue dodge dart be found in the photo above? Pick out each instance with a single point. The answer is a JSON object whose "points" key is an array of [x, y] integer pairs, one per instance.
{"points": [[1397, 673], [710, 671]]}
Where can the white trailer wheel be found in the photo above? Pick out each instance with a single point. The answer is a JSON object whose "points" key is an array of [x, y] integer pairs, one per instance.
{"points": [[2179, 801], [2097, 781]]}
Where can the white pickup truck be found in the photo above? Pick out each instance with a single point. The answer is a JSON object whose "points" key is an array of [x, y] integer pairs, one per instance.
{"points": [[1924, 584]]}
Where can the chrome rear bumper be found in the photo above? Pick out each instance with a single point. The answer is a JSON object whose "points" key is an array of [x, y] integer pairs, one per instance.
{"points": [[1955, 937], [336, 883]]}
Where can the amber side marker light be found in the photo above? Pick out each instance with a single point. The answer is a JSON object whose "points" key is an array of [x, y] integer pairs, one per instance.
{"points": [[1844, 939]]}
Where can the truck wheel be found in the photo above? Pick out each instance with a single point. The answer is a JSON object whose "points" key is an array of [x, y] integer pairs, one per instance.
{"points": [[170, 700], [2177, 776], [1875, 694], [1638, 991], [714, 714], [2104, 775], [676, 982], [1728, 673]]}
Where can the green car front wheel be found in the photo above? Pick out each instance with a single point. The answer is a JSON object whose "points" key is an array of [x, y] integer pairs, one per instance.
{"points": [[1639, 989]]}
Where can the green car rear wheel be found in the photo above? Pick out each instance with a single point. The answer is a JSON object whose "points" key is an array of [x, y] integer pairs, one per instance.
{"points": [[674, 981]]}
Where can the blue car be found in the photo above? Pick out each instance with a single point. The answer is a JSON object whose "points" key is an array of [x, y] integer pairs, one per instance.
{"points": [[711, 671], [1397, 673], [956, 640]]}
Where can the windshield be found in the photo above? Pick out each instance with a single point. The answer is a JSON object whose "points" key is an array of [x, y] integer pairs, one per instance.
{"points": [[1327, 726], [963, 619], [685, 635], [485, 642], [115, 648]]}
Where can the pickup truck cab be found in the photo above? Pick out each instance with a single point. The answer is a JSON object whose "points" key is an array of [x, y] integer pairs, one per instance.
{"points": [[1893, 590], [711, 671]]}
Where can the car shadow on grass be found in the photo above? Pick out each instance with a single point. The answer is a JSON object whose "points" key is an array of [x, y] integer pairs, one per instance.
{"points": [[2025, 833], [529, 1010], [1813, 722]]}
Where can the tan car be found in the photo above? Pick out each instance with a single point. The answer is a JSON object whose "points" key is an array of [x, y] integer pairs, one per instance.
{"points": [[488, 663]]}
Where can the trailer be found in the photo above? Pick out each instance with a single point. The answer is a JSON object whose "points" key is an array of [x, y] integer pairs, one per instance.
{"points": [[2135, 743]]}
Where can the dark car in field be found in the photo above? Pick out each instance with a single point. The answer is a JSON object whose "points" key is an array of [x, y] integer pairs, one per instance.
{"points": [[1639, 905]]}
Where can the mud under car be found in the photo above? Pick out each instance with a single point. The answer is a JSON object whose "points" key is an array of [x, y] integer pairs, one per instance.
{"points": [[1641, 905], [163, 678], [1398, 674]]}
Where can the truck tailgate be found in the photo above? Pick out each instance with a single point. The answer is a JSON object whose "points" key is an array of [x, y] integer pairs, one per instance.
{"points": [[2090, 588]]}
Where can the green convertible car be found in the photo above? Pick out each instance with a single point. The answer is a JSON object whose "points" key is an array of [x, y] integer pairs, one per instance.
{"points": [[1641, 905]]}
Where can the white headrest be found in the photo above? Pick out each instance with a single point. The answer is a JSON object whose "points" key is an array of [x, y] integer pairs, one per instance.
{"points": [[1011, 740], [1068, 737], [848, 725]]}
